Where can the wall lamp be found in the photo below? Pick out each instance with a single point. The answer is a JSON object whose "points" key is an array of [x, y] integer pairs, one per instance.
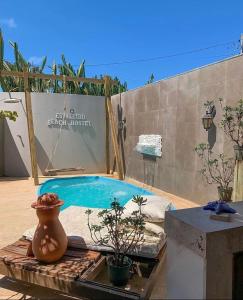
{"points": [[12, 100], [122, 123], [207, 119]]}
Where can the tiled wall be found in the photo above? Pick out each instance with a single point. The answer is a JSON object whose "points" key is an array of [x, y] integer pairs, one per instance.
{"points": [[173, 108]]}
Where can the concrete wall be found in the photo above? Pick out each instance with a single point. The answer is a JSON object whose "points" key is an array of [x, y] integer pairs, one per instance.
{"points": [[78, 145], [173, 108], [182, 280]]}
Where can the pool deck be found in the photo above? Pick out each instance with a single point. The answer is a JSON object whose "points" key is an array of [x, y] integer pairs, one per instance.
{"points": [[16, 215]]}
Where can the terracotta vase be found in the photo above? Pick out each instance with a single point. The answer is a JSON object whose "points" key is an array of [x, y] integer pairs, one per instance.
{"points": [[50, 241]]}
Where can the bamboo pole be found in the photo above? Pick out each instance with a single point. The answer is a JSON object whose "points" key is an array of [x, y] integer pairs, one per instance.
{"points": [[113, 131], [31, 133]]}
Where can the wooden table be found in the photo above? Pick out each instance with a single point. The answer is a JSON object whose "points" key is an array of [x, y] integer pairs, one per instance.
{"points": [[79, 273]]}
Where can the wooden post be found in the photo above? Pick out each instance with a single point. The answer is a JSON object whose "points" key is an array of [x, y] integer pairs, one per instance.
{"points": [[113, 129], [31, 133], [64, 84], [238, 181], [109, 113], [107, 128]]}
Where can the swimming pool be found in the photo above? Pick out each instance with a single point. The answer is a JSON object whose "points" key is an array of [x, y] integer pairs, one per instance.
{"points": [[91, 191]]}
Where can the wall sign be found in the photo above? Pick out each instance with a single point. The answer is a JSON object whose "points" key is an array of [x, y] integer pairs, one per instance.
{"points": [[69, 119]]}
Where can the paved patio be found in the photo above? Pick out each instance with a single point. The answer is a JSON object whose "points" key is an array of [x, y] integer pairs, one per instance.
{"points": [[16, 215]]}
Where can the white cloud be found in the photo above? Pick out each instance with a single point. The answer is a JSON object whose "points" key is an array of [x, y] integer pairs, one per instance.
{"points": [[36, 60], [10, 22]]}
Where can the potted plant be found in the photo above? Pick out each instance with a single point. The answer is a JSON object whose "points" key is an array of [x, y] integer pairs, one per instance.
{"points": [[217, 169], [120, 234], [232, 124]]}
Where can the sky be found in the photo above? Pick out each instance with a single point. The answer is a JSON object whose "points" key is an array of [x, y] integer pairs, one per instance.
{"points": [[183, 34]]}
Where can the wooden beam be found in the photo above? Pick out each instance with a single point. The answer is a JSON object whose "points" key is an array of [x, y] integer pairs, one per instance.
{"points": [[31, 134], [114, 134], [107, 83], [4, 73], [107, 125], [238, 181]]}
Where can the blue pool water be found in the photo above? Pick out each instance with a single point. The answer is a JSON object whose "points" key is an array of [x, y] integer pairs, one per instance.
{"points": [[91, 191]]}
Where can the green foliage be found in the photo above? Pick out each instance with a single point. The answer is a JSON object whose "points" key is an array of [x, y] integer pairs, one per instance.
{"points": [[121, 234], [9, 84], [216, 168], [151, 79], [232, 122], [11, 115]]}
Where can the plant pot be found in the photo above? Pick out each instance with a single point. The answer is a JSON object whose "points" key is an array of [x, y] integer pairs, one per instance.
{"points": [[238, 152], [225, 193], [50, 241], [119, 275]]}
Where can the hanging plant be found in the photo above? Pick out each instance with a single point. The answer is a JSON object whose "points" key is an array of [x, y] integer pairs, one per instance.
{"points": [[11, 115]]}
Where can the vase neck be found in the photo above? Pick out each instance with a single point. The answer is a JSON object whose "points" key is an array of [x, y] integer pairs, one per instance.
{"points": [[48, 214]]}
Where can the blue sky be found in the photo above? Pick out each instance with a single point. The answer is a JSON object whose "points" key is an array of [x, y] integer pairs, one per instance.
{"points": [[117, 31]]}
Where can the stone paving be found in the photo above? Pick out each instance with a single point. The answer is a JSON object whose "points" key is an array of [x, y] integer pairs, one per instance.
{"points": [[16, 215]]}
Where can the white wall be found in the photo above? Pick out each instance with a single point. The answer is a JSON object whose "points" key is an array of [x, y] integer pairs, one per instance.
{"points": [[185, 272], [78, 145]]}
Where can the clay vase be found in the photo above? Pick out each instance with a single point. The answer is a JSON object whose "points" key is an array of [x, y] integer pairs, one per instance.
{"points": [[50, 241]]}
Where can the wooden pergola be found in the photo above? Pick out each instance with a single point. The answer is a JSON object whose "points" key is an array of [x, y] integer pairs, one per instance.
{"points": [[110, 119]]}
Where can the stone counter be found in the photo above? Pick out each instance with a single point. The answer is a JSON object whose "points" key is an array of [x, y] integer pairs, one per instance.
{"points": [[200, 256]]}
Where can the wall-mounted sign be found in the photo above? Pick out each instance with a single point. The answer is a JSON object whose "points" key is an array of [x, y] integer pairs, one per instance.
{"points": [[69, 119]]}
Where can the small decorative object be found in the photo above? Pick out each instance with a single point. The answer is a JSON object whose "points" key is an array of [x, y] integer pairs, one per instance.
{"points": [[221, 217], [50, 241], [207, 119], [150, 144], [232, 124], [217, 169], [121, 234], [219, 207], [222, 211]]}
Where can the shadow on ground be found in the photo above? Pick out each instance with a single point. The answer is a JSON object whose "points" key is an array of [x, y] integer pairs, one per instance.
{"points": [[14, 289]]}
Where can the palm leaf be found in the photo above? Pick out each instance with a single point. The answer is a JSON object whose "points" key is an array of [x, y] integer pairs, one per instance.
{"points": [[43, 64]]}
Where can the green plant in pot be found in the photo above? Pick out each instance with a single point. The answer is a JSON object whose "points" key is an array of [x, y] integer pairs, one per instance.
{"points": [[121, 234], [216, 169], [232, 124]]}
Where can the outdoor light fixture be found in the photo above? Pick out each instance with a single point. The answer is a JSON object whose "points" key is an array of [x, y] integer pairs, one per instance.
{"points": [[122, 123], [12, 100], [207, 119]]}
